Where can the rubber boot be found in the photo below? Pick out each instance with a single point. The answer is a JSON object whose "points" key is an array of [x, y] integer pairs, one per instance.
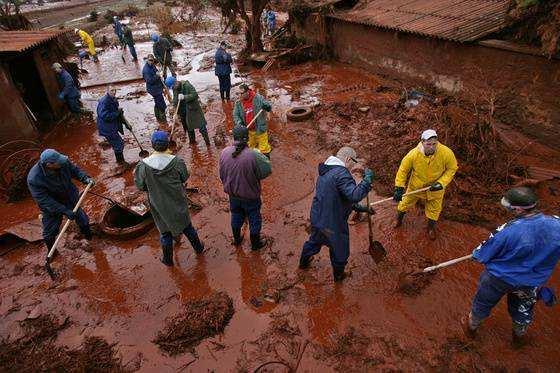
{"points": [[160, 115], [192, 138], [167, 257], [338, 274], [120, 158], [206, 139], [469, 329], [518, 335], [197, 245], [237, 237], [305, 261], [432, 229], [400, 217], [49, 242], [256, 242], [86, 231]]}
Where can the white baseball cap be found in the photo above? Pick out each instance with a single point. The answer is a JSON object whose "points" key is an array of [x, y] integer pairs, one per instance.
{"points": [[428, 134]]}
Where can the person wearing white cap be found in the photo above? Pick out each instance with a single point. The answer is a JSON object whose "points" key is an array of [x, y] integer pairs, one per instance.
{"points": [[87, 40], [429, 164]]}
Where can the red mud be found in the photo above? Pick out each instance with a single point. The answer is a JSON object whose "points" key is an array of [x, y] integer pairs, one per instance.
{"points": [[121, 292]]}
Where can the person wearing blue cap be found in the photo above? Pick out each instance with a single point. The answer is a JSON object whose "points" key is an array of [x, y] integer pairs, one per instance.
{"points": [[190, 111], [162, 49], [163, 175], [110, 123], [155, 87], [50, 184], [519, 259]]}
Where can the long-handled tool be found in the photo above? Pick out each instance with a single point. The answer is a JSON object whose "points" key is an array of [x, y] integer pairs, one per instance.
{"points": [[375, 249], [404, 195], [64, 228], [165, 90], [172, 143], [143, 153], [116, 203], [254, 119], [445, 264]]}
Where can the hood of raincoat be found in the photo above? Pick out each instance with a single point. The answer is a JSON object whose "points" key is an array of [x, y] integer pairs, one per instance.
{"points": [[161, 163], [331, 162]]}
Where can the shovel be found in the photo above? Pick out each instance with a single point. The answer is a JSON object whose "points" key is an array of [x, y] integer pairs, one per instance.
{"points": [[444, 264], [375, 249], [143, 153], [254, 119], [404, 195], [117, 203], [64, 228]]}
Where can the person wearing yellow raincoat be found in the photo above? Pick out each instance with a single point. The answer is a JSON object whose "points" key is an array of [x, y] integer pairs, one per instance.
{"points": [[430, 164], [87, 40]]}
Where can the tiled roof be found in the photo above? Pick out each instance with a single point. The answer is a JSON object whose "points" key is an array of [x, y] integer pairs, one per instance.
{"points": [[19, 41]]}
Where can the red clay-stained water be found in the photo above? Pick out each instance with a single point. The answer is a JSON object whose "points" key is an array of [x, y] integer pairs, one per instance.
{"points": [[120, 291]]}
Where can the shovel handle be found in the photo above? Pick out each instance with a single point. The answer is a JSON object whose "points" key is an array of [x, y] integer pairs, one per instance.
{"points": [[133, 134], [404, 195], [254, 119], [53, 248], [448, 263]]}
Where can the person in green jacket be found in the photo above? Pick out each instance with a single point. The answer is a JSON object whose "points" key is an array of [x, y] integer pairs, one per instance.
{"points": [[190, 111], [163, 176], [251, 105]]}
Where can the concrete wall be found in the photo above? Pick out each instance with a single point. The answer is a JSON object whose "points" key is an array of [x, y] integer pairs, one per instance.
{"points": [[14, 122]]}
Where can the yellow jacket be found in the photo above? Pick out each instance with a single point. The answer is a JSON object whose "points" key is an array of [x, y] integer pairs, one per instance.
{"points": [[86, 38], [422, 171]]}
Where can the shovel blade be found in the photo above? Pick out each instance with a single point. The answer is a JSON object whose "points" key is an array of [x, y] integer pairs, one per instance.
{"points": [[49, 270], [377, 251]]}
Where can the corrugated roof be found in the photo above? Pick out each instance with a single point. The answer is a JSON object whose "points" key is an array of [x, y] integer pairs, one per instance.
{"points": [[19, 41], [459, 20]]}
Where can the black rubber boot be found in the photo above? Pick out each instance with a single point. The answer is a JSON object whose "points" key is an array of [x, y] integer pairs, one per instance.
{"points": [[400, 217], [86, 231], [120, 158], [338, 274], [206, 139], [256, 242], [305, 262], [192, 138], [160, 115], [237, 238], [432, 229], [167, 257]]}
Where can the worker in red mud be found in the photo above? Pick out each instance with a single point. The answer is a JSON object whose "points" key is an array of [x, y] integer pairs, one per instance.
{"points": [[190, 111], [118, 29], [128, 40], [429, 164], [162, 49], [87, 40], [69, 93], [519, 258], [241, 172], [50, 184], [154, 86], [253, 106], [110, 123], [163, 176], [336, 195], [223, 62]]}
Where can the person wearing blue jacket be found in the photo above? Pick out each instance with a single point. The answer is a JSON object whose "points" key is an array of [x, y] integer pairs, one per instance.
{"points": [[117, 27], [50, 184], [110, 123], [69, 93], [154, 86], [223, 62], [271, 20], [336, 195], [519, 258]]}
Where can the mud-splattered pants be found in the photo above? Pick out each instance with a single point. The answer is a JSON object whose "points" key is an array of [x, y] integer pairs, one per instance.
{"points": [[338, 244], [259, 141], [51, 225], [166, 239], [521, 301]]}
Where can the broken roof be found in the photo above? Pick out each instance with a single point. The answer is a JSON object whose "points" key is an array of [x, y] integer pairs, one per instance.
{"points": [[458, 20], [19, 41]]}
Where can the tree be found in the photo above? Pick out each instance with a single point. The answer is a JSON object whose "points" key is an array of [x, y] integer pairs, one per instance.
{"points": [[9, 7]]}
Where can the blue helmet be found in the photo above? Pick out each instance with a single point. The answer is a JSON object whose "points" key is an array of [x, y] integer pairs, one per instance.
{"points": [[170, 81], [155, 37]]}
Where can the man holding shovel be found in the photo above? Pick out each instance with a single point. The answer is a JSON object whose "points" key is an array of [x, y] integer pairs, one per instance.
{"points": [[162, 49], [50, 184], [154, 86], [519, 258], [429, 164], [252, 106], [163, 176], [336, 195]]}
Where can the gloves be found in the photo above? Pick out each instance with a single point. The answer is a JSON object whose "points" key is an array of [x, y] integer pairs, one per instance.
{"points": [[363, 208], [61, 96], [397, 196], [436, 186], [181, 97], [368, 176], [70, 214], [89, 180]]}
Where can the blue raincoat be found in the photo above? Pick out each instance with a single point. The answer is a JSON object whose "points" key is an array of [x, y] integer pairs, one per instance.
{"points": [[154, 86], [223, 62], [108, 122]]}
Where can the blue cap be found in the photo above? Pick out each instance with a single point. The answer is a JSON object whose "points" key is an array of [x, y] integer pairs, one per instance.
{"points": [[170, 81], [52, 156], [160, 138], [155, 37]]}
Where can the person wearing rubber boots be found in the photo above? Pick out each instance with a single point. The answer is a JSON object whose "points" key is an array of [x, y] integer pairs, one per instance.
{"points": [[222, 70], [162, 49], [241, 172], [50, 184], [110, 123], [87, 40], [118, 29], [429, 164], [336, 195], [519, 258], [163, 175], [69, 93], [245, 109], [154, 86], [128, 40], [190, 111]]}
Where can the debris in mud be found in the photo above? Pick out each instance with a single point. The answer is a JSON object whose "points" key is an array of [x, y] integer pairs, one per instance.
{"points": [[411, 281], [201, 319]]}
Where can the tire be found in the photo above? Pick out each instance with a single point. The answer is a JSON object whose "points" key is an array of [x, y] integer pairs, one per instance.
{"points": [[299, 113]]}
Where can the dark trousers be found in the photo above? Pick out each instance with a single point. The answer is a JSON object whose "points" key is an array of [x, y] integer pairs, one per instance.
{"points": [[116, 142], [159, 107], [51, 225], [166, 239], [521, 300], [338, 244], [132, 51], [242, 209], [203, 130], [225, 86], [74, 104]]}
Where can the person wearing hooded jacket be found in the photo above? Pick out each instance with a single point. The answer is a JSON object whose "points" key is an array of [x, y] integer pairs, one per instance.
{"points": [[241, 172], [245, 110], [50, 184], [163, 175], [162, 49], [429, 164], [336, 195], [154, 86], [110, 123], [69, 93]]}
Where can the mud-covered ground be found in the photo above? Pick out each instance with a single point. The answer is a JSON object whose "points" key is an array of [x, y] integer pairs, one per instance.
{"points": [[118, 290]]}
